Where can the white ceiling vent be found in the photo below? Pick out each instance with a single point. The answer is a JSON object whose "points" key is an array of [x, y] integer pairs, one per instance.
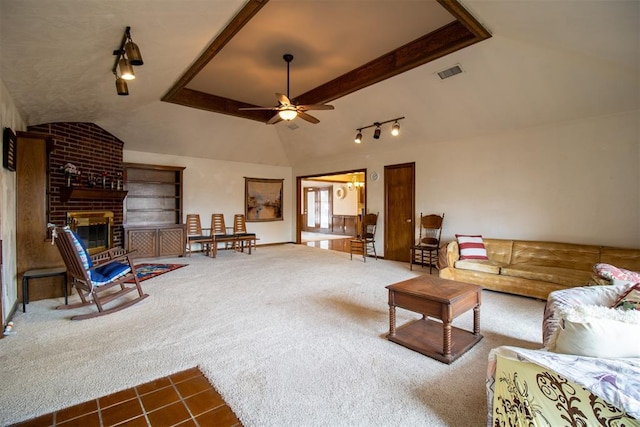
{"points": [[450, 72]]}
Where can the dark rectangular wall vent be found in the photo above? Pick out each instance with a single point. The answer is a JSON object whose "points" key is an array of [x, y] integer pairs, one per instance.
{"points": [[450, 72]]}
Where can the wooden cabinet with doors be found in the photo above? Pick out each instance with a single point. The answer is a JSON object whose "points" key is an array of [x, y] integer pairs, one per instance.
{"points": [[33, 246], [344, 224], [153, 210]]}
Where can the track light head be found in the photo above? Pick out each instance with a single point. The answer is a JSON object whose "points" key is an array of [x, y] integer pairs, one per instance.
{"points": [[358, 138], [395, 130], [376, 133]]}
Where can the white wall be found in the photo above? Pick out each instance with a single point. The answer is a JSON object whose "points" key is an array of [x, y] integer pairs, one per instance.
{"points": [[576, 181], [9, 117], [349, 204], [213, 186]]}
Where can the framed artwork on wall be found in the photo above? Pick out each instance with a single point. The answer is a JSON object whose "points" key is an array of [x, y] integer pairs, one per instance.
{"points": [[9, 149], [263, 199]]}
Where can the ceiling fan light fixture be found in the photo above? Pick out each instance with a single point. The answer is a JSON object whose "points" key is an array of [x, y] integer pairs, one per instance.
{"points": [[358, 138], [395, 130], [288, 114]]}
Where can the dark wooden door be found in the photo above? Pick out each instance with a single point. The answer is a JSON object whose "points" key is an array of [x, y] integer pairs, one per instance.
{"points": [[399, 208]]}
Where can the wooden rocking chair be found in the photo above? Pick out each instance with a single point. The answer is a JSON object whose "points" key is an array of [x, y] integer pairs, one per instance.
{"points": [[93, 275]]}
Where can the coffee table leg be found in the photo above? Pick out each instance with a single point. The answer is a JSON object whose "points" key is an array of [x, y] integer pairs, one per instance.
{"points": [[476, 320], [446, 341], [392, 320]]}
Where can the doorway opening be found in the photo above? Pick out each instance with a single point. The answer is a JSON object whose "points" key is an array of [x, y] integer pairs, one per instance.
{"points": [[329, 207]]}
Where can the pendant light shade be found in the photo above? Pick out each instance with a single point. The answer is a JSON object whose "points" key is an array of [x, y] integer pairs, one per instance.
{"points": [[121, 86], [126, 70], [133, 53]]}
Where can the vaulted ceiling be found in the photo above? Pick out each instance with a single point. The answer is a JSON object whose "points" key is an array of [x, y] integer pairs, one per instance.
{"points": [[545, 62]]}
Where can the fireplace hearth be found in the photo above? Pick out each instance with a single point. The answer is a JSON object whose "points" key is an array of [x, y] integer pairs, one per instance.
{"points": [[95, 228]]}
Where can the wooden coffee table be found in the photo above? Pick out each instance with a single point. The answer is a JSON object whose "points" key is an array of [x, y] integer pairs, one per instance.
{"points": [[440, 299]]}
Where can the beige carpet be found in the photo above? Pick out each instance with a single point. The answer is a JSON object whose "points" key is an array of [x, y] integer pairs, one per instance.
{"points": [[290, 336]]}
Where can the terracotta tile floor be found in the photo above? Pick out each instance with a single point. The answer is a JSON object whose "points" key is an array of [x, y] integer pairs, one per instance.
{"points": [[182, 399]]}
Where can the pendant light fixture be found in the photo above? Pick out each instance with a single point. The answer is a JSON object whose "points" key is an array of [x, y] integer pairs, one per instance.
{"points": [[127, 56], [395, 129]]}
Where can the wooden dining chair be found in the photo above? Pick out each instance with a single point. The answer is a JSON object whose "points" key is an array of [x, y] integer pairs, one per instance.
{"points": [[427, 248], [365, 243], [221, 233], [196, 235], [242, 236], [93, 276]]}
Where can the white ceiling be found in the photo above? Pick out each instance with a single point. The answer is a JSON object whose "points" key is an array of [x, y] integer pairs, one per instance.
{"points": [[546, 62]]}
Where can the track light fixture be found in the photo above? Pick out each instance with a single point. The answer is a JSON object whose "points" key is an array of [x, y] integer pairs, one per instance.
{"points": [[127, 56], [395, 129]]}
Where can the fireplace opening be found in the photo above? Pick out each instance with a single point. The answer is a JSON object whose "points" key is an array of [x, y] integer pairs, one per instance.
{"points": [[95, 229]]}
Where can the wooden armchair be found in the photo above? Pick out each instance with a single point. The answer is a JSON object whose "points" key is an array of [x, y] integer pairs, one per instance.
{"points": [[93, 275]]}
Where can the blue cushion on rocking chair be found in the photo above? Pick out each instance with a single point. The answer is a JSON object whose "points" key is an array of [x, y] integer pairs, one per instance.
{"points": [[108, 273]]}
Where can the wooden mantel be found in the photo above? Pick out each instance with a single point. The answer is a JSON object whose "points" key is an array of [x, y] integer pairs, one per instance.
{"points": [[69, 193]]}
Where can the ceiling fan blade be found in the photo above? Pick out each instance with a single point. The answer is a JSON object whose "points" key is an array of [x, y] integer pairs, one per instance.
{"points": [[282, 99], [307, 117], [315, 107], [275, 119], [259, 108]]}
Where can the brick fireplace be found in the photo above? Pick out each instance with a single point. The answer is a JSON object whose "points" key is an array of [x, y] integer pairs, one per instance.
{"points": [[95, 153]]}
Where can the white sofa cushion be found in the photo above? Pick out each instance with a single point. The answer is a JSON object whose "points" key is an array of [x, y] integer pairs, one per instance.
{"points": [[597, 331]]}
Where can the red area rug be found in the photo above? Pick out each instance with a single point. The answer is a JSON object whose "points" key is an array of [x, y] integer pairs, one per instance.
{"points": [[148, 271]]}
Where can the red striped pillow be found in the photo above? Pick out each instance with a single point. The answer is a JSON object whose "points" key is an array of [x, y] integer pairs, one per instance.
{"points": [[471, 247]]}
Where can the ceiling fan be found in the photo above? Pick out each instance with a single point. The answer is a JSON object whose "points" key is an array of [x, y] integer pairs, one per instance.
{"points": [[287, 110]]}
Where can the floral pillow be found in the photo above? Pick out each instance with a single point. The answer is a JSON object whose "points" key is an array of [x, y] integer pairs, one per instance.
{"points": [[630, 300], [616, 275]]}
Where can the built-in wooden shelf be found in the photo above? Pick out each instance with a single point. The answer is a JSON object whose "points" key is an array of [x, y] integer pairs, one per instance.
{"points": [[69, 193]]}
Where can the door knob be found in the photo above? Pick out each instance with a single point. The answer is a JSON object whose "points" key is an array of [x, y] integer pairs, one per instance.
{"points": [[408, 220]]}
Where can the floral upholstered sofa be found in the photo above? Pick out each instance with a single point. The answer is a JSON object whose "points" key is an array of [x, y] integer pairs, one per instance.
{"points": [[587, 373]]}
